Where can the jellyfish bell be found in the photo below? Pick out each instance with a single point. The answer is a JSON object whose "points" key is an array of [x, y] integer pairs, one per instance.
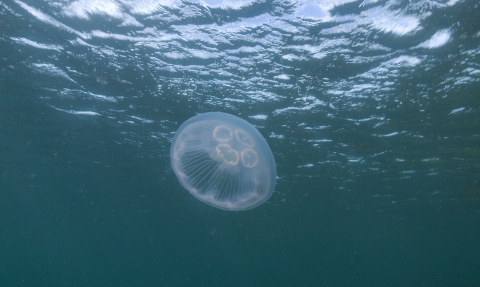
{"points": [[223, 161]]}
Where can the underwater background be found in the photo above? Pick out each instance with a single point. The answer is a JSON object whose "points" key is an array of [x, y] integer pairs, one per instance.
{"points": [[371, 110]]}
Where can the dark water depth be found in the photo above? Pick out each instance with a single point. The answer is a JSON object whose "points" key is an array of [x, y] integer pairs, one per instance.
{"points": [[371, 110]]}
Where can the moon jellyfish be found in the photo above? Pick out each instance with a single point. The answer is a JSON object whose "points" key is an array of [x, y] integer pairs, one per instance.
{"points": [[223, 161]]}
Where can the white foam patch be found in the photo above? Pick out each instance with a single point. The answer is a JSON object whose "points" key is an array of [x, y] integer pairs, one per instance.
{"points": [[313, 11], [282, 77], [52, 70], [34, 44], [160, 37], [368, 2], [321, 50], [227, 4], [438, 39], [320, 141], [103, 98], [305, 103], [389, 135], [201, 54], [259, 117], [319, 10], [457, 111], [305, 165], [352, 159], [274, 135], [388, 21], [147, 7], [292, 57], [84, 8], [82, 113], [49, 20], [261, 96], [143, 120], [432, 159], [388, 69]]}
